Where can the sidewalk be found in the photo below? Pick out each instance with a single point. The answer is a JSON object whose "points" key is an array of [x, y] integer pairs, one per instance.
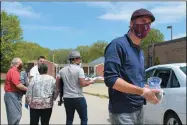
{"points": [[99, 89]]}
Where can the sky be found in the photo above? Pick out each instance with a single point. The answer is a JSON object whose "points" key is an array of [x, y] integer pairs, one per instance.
{"points": [[62, 25]]}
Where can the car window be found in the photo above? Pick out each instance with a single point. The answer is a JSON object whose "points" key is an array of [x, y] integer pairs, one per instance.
{"points": [[149, 73], [174, 81], [164, 75], [183, 68]]}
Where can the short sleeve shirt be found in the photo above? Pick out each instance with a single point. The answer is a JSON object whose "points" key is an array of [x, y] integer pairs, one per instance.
{"points": [[81, 73], [34, 71], [70, 76], [12, 79]]}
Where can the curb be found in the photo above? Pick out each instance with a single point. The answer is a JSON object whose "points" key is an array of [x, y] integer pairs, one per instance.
{"points": [[97, 94]]}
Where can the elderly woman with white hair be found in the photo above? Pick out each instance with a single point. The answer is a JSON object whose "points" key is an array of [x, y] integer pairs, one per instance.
{"points": [[13, 92]]}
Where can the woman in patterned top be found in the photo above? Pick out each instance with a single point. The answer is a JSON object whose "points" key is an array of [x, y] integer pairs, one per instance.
{"points": [[40, 96]]}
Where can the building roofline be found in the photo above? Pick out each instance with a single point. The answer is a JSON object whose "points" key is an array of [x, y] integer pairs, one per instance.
{"points": [[94, 62], [62, 65], [33, 61], [169, 41], [99, 64]]}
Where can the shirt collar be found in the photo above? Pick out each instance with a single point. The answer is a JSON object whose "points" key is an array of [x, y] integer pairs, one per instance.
{"points": [[131, 42], [15, 68]]}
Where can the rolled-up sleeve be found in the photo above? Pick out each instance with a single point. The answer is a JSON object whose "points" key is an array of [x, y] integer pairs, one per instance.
{"points": [[112, 64]]}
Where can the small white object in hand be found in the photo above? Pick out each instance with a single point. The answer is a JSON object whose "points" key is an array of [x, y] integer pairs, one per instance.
{"points": [[159, 95], [154, 83]]}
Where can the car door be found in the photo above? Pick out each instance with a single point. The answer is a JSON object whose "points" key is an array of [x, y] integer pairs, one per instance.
{"points": [[155, 112], [147, 107], [176, 96]]}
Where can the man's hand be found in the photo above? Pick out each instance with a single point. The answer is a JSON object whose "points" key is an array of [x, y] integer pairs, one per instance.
{"points": [[21, 87], [91, 81], [85, 83], [146, 86], [149, 95]]}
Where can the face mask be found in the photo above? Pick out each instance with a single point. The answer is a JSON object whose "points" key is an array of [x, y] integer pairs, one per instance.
{"points": [[141, 30], [20, 66]]}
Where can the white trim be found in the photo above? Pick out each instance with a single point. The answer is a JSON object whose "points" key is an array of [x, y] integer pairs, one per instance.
{"points": [[100, 64]]}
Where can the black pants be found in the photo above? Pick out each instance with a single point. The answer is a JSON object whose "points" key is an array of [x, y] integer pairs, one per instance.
{"points": [[78, 104], [36, 114]]}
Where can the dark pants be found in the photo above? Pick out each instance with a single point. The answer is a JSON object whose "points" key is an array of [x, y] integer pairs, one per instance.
{"points": [[78, 104], [36, 114]]}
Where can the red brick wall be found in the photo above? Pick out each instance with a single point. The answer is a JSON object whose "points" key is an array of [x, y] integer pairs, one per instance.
{"points": [[51, 68], [3, 76], [169, 52], [99, 70]]}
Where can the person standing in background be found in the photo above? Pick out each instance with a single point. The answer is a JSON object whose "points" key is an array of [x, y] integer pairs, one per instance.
{"points": [[25, 81], [24, 77], [34, 70]]}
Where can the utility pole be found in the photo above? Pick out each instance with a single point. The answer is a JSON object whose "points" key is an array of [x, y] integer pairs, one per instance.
{"points": [[51, 53], [53, 63], [170, 27]]}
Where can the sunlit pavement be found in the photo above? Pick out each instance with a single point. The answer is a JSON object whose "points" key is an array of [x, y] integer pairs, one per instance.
{"points": [[97, 111]]}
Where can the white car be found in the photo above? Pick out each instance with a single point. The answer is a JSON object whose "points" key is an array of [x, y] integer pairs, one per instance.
{"points": [[172, 109], [94, 78]]}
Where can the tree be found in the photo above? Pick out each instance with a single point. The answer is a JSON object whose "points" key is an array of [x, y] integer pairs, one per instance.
{"points": [[61, 55], [11, 32], [30, 51], [97, 50], [154, 36], [84, 51], [157, 61]]}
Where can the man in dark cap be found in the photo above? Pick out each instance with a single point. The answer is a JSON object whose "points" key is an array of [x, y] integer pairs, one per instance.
{"points": [[125, 74]]}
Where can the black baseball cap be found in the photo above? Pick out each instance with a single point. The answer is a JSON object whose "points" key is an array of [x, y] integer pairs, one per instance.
{"points": [[142, 12]]}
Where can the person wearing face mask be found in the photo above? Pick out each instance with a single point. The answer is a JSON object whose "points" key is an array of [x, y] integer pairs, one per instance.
{"points": [[73, 81], [13, 92], [124, 72], [34, 70]]}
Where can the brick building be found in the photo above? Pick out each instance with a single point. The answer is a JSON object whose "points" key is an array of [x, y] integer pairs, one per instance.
{"points": [[97, 66], [3, 76], [173, 51], [100, 70], [51, 67]]}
